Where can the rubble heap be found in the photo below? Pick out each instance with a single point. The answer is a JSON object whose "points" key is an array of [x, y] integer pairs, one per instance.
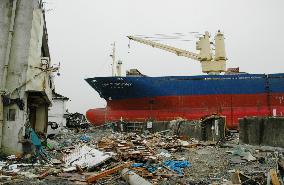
{"points": [[101, 156]]}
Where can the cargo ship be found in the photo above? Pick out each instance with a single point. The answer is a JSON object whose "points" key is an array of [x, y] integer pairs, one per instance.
{"points": [[139, 98]]}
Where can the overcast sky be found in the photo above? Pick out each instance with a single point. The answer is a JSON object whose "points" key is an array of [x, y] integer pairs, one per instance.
{"points": [[81, 33]]}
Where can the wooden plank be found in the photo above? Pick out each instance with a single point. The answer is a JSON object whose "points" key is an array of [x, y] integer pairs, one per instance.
{"points": [[274, 177], [236, 178], [79, 169], [44, 174], [95, 177]]}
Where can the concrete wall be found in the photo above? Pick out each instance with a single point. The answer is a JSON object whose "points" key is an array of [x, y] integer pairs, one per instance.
{"points": [[12, 132], [209, 129], [16, 67], [203, 130], [5, 16], [21, 40], [24, 63], [151, 126], [57, 111], [262, 131]]}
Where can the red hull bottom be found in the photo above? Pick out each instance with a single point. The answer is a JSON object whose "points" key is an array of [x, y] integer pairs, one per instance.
{"points": [[232, 107]]}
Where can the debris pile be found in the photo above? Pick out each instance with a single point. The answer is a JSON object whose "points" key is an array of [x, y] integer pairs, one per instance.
{"points": [[101, 156], [74, 120]]}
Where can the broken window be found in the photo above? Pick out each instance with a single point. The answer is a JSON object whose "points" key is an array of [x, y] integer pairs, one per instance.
{"points": [[11, 116]]}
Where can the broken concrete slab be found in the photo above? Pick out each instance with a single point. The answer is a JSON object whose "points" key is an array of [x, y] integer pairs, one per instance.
{"points": [[86, 156]]}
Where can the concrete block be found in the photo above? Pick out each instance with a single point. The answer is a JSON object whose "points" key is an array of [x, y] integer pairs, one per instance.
{"points": [[262, 131], [273, 132], [243, 132]]}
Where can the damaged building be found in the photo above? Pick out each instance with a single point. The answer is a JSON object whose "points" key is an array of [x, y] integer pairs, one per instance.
{"points": [[25, 72], [57, 114]]}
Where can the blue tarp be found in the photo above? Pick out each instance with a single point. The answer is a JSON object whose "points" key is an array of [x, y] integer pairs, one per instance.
{"points": [[37, 143], [85, 138], [177, 165], [150, 168]]}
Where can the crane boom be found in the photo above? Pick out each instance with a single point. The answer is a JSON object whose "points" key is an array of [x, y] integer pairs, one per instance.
{"points": [[177, 51], [209, 64]]}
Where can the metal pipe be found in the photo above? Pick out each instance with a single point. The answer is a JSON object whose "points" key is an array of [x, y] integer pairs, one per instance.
{"points": [[6, 64]]}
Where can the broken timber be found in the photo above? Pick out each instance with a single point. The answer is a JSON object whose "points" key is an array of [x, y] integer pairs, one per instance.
{"points": [[94, 178]]}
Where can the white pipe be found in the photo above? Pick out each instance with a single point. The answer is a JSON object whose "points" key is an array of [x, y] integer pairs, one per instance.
{"points": [[132, 178]]}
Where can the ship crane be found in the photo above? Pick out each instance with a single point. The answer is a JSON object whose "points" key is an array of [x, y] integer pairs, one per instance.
{"points": [[209, 64]]}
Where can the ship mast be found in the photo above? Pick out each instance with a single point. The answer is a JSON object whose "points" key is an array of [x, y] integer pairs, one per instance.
{"points": [[116, 65], [113, 60]]}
